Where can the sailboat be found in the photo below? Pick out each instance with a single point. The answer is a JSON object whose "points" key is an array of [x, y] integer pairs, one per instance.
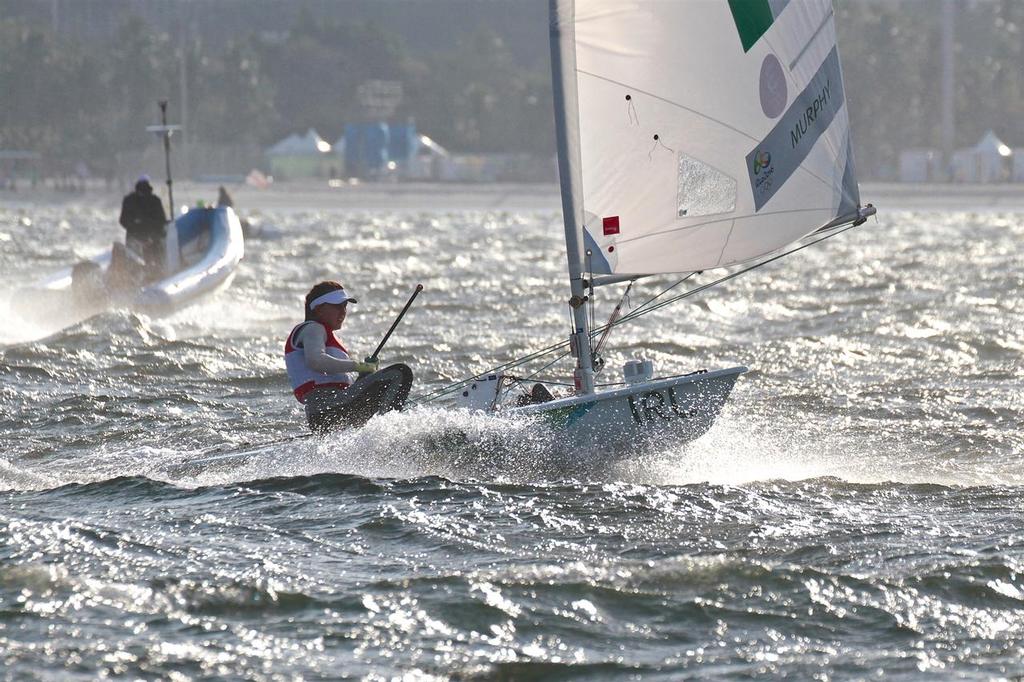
{"points": [[691, 136]]}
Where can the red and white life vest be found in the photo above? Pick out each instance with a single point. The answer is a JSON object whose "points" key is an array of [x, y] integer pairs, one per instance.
{"points": [[304, 379]]}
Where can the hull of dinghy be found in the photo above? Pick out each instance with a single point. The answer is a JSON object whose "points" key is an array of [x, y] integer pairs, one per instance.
{"points": [[669, 411]]}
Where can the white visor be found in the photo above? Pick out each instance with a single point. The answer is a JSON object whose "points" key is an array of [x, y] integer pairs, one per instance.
{"points": [[337, 297]]}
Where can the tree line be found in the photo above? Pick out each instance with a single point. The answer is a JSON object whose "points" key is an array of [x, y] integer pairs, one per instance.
{"points": [[75, 100], [892, 65]]}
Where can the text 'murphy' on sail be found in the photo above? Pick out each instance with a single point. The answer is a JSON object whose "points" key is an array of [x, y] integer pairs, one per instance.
{"points": [[711, 132]]}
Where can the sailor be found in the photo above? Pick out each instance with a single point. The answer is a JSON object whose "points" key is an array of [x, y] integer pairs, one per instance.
{"points": [[143, 218], [321, 370], [223, 198]]}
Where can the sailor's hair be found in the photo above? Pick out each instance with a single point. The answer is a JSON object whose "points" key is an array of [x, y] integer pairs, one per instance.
{"points": [[317, 291]]}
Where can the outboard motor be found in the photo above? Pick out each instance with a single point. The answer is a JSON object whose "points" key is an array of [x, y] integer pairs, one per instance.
{"points": [[87, 283]]}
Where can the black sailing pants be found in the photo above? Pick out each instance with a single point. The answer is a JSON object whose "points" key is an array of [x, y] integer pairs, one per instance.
{"points": [[383, 391]]}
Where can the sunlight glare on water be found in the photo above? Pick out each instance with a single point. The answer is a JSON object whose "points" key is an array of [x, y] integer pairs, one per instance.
{"points": [[855, 510]]}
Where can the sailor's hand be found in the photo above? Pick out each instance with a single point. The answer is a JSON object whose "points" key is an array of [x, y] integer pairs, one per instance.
{"points": [[368, 366]]}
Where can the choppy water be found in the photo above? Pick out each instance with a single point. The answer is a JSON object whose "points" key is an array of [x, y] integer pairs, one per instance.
{"points": [[857, 510]]}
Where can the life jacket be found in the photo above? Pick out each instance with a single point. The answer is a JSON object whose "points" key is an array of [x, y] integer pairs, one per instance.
{"points": [[303, 378]]}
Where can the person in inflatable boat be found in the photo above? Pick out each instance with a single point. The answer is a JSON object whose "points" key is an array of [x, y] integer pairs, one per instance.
{"points": [[337, 390], [144, 220]]}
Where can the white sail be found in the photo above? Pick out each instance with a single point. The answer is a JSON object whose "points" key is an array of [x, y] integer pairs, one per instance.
{"points": [[701, 133]]}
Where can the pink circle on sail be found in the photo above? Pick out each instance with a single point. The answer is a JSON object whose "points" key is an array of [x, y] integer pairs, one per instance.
{"points": [[773, 87]]}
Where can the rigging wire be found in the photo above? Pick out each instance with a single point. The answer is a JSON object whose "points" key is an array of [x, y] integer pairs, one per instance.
{"points": [[528, 377], [646, 307], [704, 287], [652, 299], [615, 315], [590, 295], [451, 388]]}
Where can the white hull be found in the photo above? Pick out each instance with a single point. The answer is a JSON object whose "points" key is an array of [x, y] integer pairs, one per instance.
{"points": [[206, 258], [605, 426], [671, 410]]}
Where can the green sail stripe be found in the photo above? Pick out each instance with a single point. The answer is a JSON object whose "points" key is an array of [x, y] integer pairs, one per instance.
{"points": [[753, 18]]}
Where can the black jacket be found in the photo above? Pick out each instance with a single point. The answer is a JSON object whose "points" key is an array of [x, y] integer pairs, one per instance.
{"points": [[142, 214]]}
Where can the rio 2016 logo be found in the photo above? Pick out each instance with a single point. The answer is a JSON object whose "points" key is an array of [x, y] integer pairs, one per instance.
{"points": [[761, 161]]}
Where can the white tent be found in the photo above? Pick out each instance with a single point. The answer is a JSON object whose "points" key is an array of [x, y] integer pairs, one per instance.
{"points": [[988, 161], [992, 146], [310, 144], [301, 156]]}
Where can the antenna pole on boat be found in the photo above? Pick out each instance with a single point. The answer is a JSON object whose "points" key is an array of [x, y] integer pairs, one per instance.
{"points": [[164, 131], [563, 64], [167, 155]]}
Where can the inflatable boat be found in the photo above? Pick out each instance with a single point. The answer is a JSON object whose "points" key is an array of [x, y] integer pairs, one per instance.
{"points": [[202, 250]]}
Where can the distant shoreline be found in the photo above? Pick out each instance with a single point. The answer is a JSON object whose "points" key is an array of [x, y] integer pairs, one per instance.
{"points": [[317, 195], [938, 197]]}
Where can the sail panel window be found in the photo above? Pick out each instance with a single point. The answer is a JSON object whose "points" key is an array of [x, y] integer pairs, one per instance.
{"points": [[703, 190]]}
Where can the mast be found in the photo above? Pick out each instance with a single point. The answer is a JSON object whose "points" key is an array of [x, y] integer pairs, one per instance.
{"points": [[563, 61]]}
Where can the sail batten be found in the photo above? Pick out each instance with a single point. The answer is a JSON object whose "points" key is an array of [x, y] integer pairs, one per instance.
{"points": [[707, 133]]}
